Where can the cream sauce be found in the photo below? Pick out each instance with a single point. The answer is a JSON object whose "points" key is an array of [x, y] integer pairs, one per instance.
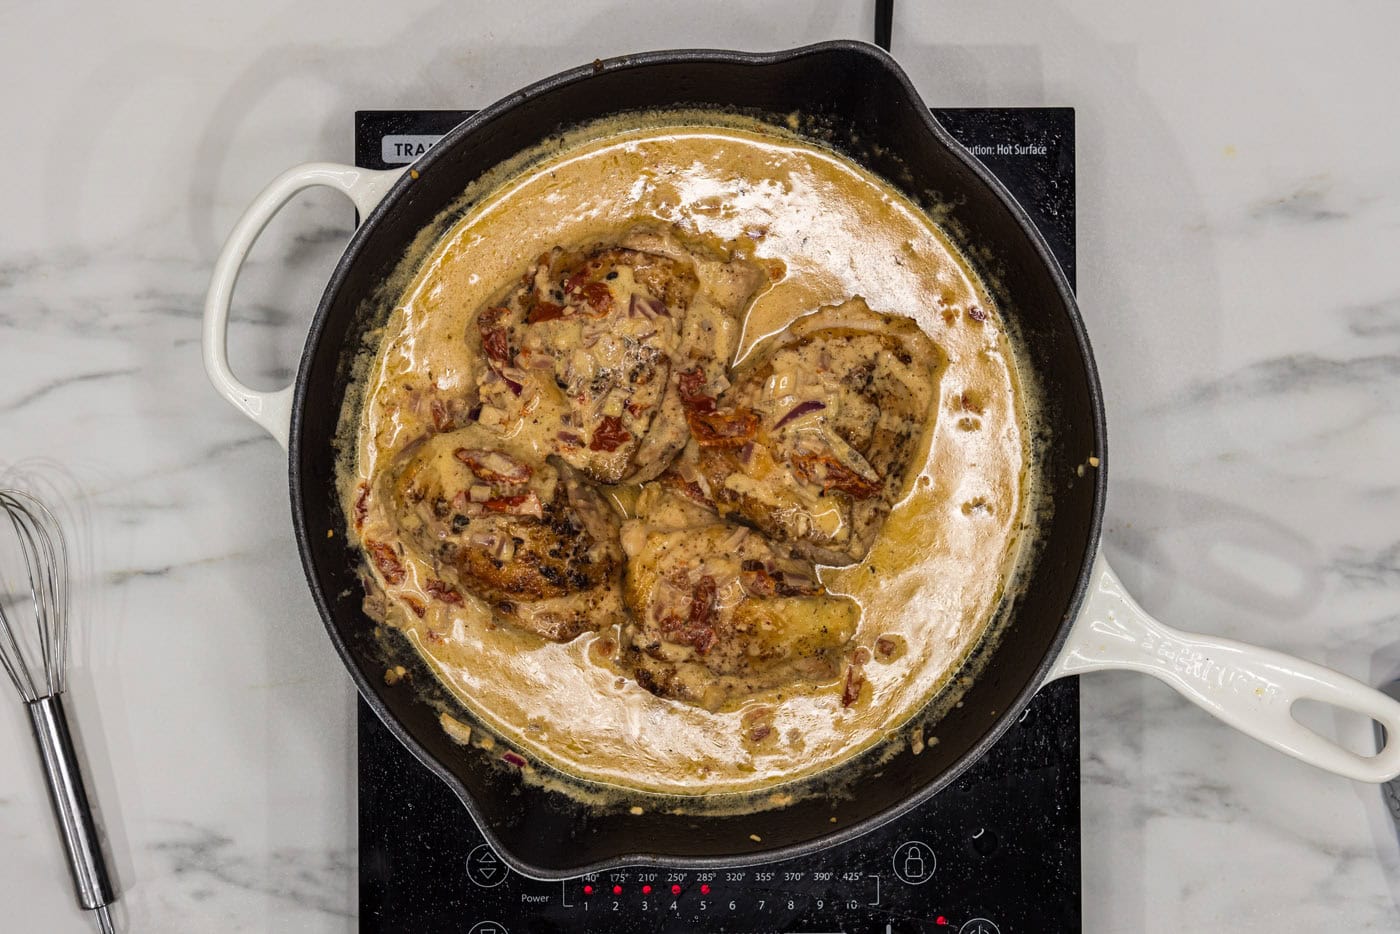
{"points": [[830, 231]]}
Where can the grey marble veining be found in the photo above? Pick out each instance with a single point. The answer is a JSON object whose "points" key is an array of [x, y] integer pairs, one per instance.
{"points": [[1239, 218]]}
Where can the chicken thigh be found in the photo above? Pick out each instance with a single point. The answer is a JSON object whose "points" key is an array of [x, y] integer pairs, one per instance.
{"points": [[584, 356], [535, 543], [813, 442], [717, 611]]}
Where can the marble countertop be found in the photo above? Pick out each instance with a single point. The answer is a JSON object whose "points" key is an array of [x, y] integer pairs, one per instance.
{"points": [[1239, 218]]}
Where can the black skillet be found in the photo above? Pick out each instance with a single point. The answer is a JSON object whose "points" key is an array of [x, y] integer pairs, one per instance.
{"points": [[855, 99]]}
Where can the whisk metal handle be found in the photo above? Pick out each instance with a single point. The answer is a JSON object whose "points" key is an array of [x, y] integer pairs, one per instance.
{"points": [[71, 806]]}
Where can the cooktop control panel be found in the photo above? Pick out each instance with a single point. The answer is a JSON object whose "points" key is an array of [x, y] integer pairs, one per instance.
{"points": [[996, 852]]}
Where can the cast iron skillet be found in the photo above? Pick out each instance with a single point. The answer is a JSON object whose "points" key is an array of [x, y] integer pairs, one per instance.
{"points": [[857, 100]]}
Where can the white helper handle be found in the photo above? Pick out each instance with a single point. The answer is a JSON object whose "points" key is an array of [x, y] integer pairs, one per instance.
{"points": [[365, 187], [1250, 688]]}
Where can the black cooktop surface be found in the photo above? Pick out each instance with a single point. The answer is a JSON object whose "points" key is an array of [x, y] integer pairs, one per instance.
{"points": [[996, 851]]}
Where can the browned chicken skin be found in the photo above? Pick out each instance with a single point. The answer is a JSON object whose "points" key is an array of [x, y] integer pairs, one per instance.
{"points": [[719, 611], [536, 544], [813, 442]]}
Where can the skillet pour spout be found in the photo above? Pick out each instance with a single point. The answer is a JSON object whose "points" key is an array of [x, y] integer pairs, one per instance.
{"points": [[854, 98]]}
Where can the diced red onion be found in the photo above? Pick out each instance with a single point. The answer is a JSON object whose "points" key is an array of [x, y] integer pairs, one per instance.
{"points": [[647, 307], [601, 404], [734, 540], [505, 548], [799, 581], [667, 596], [799, 410], [531, 507]]}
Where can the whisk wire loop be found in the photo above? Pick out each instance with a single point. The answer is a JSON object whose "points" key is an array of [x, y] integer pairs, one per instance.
{"points": [[45, 558]]}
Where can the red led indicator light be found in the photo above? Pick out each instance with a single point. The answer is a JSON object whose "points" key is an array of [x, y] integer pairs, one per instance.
{"points": [[617, 890], [646, 890], [675, 890], [588, 890], [940, 920], [705, 889]]}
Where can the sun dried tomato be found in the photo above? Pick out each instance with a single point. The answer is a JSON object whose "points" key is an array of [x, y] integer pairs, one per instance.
{"points": [[492, 317], [574, 284], [850, 691], [692, 385], [441, 590], [494, 467], [729, 429], [696, 629], [543, 311], [598, 297], [387, 560], [831, 474], [756, 580], [361, 505], [442, 416], [526, 504], [496, 346], [685, 487], [609, 435]]}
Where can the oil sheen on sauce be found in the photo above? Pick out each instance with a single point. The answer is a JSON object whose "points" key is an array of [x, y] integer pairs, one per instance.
{"points": [[830, 231]]}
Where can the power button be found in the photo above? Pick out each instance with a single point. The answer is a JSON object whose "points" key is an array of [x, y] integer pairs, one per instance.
{"points": [[914, 862], [979, 926]]}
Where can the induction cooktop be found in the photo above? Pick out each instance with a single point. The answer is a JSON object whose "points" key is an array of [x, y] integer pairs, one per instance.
{"points": [[996, 852]]}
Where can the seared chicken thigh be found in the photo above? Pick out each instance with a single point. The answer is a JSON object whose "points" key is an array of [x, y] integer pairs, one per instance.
{"points": [[590, 346], [536, 544], [719, 611], [812, 443]]}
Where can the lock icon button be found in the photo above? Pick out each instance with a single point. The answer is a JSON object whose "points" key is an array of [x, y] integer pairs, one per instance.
{"points": [[914, 862]]}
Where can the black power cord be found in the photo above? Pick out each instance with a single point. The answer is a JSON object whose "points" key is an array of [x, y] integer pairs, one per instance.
{"points": [[884, 23]]}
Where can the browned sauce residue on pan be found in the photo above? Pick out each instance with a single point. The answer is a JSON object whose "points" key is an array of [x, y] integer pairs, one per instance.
{"points": [[825, 231]]}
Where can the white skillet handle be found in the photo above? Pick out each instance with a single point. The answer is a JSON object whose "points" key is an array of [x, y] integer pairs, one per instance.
{"points": [[365, 187], [1250, 688]]}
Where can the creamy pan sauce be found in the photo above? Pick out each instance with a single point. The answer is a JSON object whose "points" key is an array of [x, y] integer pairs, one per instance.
{"points": [[826, 230]]}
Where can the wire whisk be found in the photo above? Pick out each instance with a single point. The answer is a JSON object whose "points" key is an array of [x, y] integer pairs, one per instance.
{"points": [[34, 653], [45, 559]]}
